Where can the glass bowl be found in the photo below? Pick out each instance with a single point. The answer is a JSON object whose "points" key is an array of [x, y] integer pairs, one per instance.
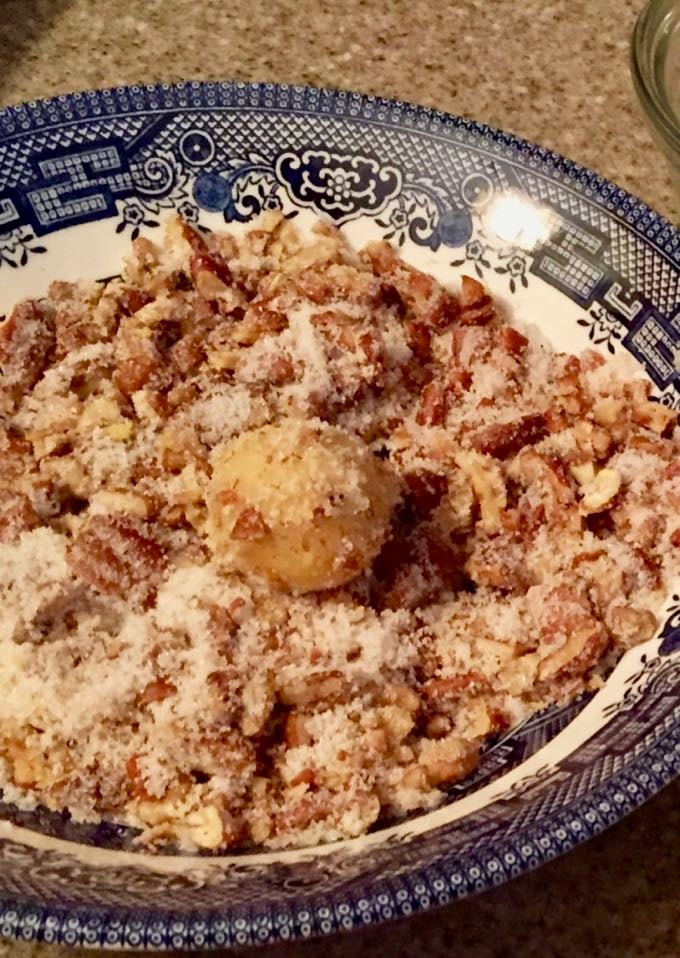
{"points": [[655, 65]]}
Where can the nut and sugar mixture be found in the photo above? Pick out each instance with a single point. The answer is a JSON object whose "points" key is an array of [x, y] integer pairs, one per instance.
{"points": [[288, 532]]}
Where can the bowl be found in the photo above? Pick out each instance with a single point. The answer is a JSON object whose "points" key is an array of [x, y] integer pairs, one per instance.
{"points": [[655, 65], [82, 174]]}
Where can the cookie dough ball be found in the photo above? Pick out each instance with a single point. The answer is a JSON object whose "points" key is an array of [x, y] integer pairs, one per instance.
{"points": [[303, 503]]}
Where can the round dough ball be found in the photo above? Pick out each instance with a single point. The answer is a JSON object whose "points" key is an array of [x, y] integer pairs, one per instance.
{"points": [[303, 503]]}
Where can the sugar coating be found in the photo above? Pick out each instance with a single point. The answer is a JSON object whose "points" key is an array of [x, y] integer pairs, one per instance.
{"points": [[289, 532]]}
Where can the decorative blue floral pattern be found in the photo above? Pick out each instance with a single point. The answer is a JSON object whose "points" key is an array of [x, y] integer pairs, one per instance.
{"points": [[17, 246], [124, 156], [342, 185], [603, 328]]}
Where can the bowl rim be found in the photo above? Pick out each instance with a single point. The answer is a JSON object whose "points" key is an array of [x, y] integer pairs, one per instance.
{"points": [[647, 81], [636, 782]]}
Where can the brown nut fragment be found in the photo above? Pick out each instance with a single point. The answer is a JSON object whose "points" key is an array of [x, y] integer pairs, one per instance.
{"points": [[137, 359], [320, 687], [502, 440], [27, 339], [630, 626], [118, 555], [17, 515], [599, 491], [447, 759], [432, 406], [156, 691], [654, 416], [249, 526], [486, 480], [476, 306]]}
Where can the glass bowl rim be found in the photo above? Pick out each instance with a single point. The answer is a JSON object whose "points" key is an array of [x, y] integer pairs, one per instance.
{"points": [[649, 85]]}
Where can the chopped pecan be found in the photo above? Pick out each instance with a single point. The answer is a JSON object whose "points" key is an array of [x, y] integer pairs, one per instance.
{"points": [[27, 341], [512, 341], [202, 266], [137, 359], [447, 759], [569, 388], [17, 515], [307, 777], [486, 480], [118, 555], [419, 340], [15, 455], [546, 472], [630, 626], [566, 619], [600, 490], [281, 370], [373, 348], [188, 353], [259, 319], [499, 561], [73, 319], [303, 812], [503, 440], [136, 783], [432, 405], [319, 687], [458, 381], [476, 306], [382, 258], [425, 491], [296, 732], [584, 646], [249, 525], [156, 691], [202, 259], [441, 688], [655, 416]]}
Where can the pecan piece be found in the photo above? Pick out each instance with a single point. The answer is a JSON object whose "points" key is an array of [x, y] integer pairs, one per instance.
{"points": [[74, 324], [318, 687], [17, 515], [499, 561], [512, 341], [432, 405], [118, 555], [137, 359], [188, 353], [27, 340], [419, 340], [296, 732], [156, 691], [476, 306], [16, 455], [281, 371], [425, 491], [503, 440], [466, 681], [249, 526], [202, 260]]}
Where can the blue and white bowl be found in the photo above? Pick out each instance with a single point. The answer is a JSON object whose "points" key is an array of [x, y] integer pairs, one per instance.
{"points": [[80, 176]]}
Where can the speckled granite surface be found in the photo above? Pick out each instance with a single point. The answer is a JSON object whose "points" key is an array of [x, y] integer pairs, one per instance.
{"points": [[552, 71]]}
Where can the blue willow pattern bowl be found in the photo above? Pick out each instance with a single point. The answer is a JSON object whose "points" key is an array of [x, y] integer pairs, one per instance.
{"points": [[80, 176]]}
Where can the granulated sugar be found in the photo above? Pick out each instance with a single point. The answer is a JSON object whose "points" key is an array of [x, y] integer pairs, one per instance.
{"points": [[434, 527]]}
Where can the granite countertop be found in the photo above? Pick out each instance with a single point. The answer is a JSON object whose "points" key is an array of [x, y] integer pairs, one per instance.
{"points": [[549, 70]]}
